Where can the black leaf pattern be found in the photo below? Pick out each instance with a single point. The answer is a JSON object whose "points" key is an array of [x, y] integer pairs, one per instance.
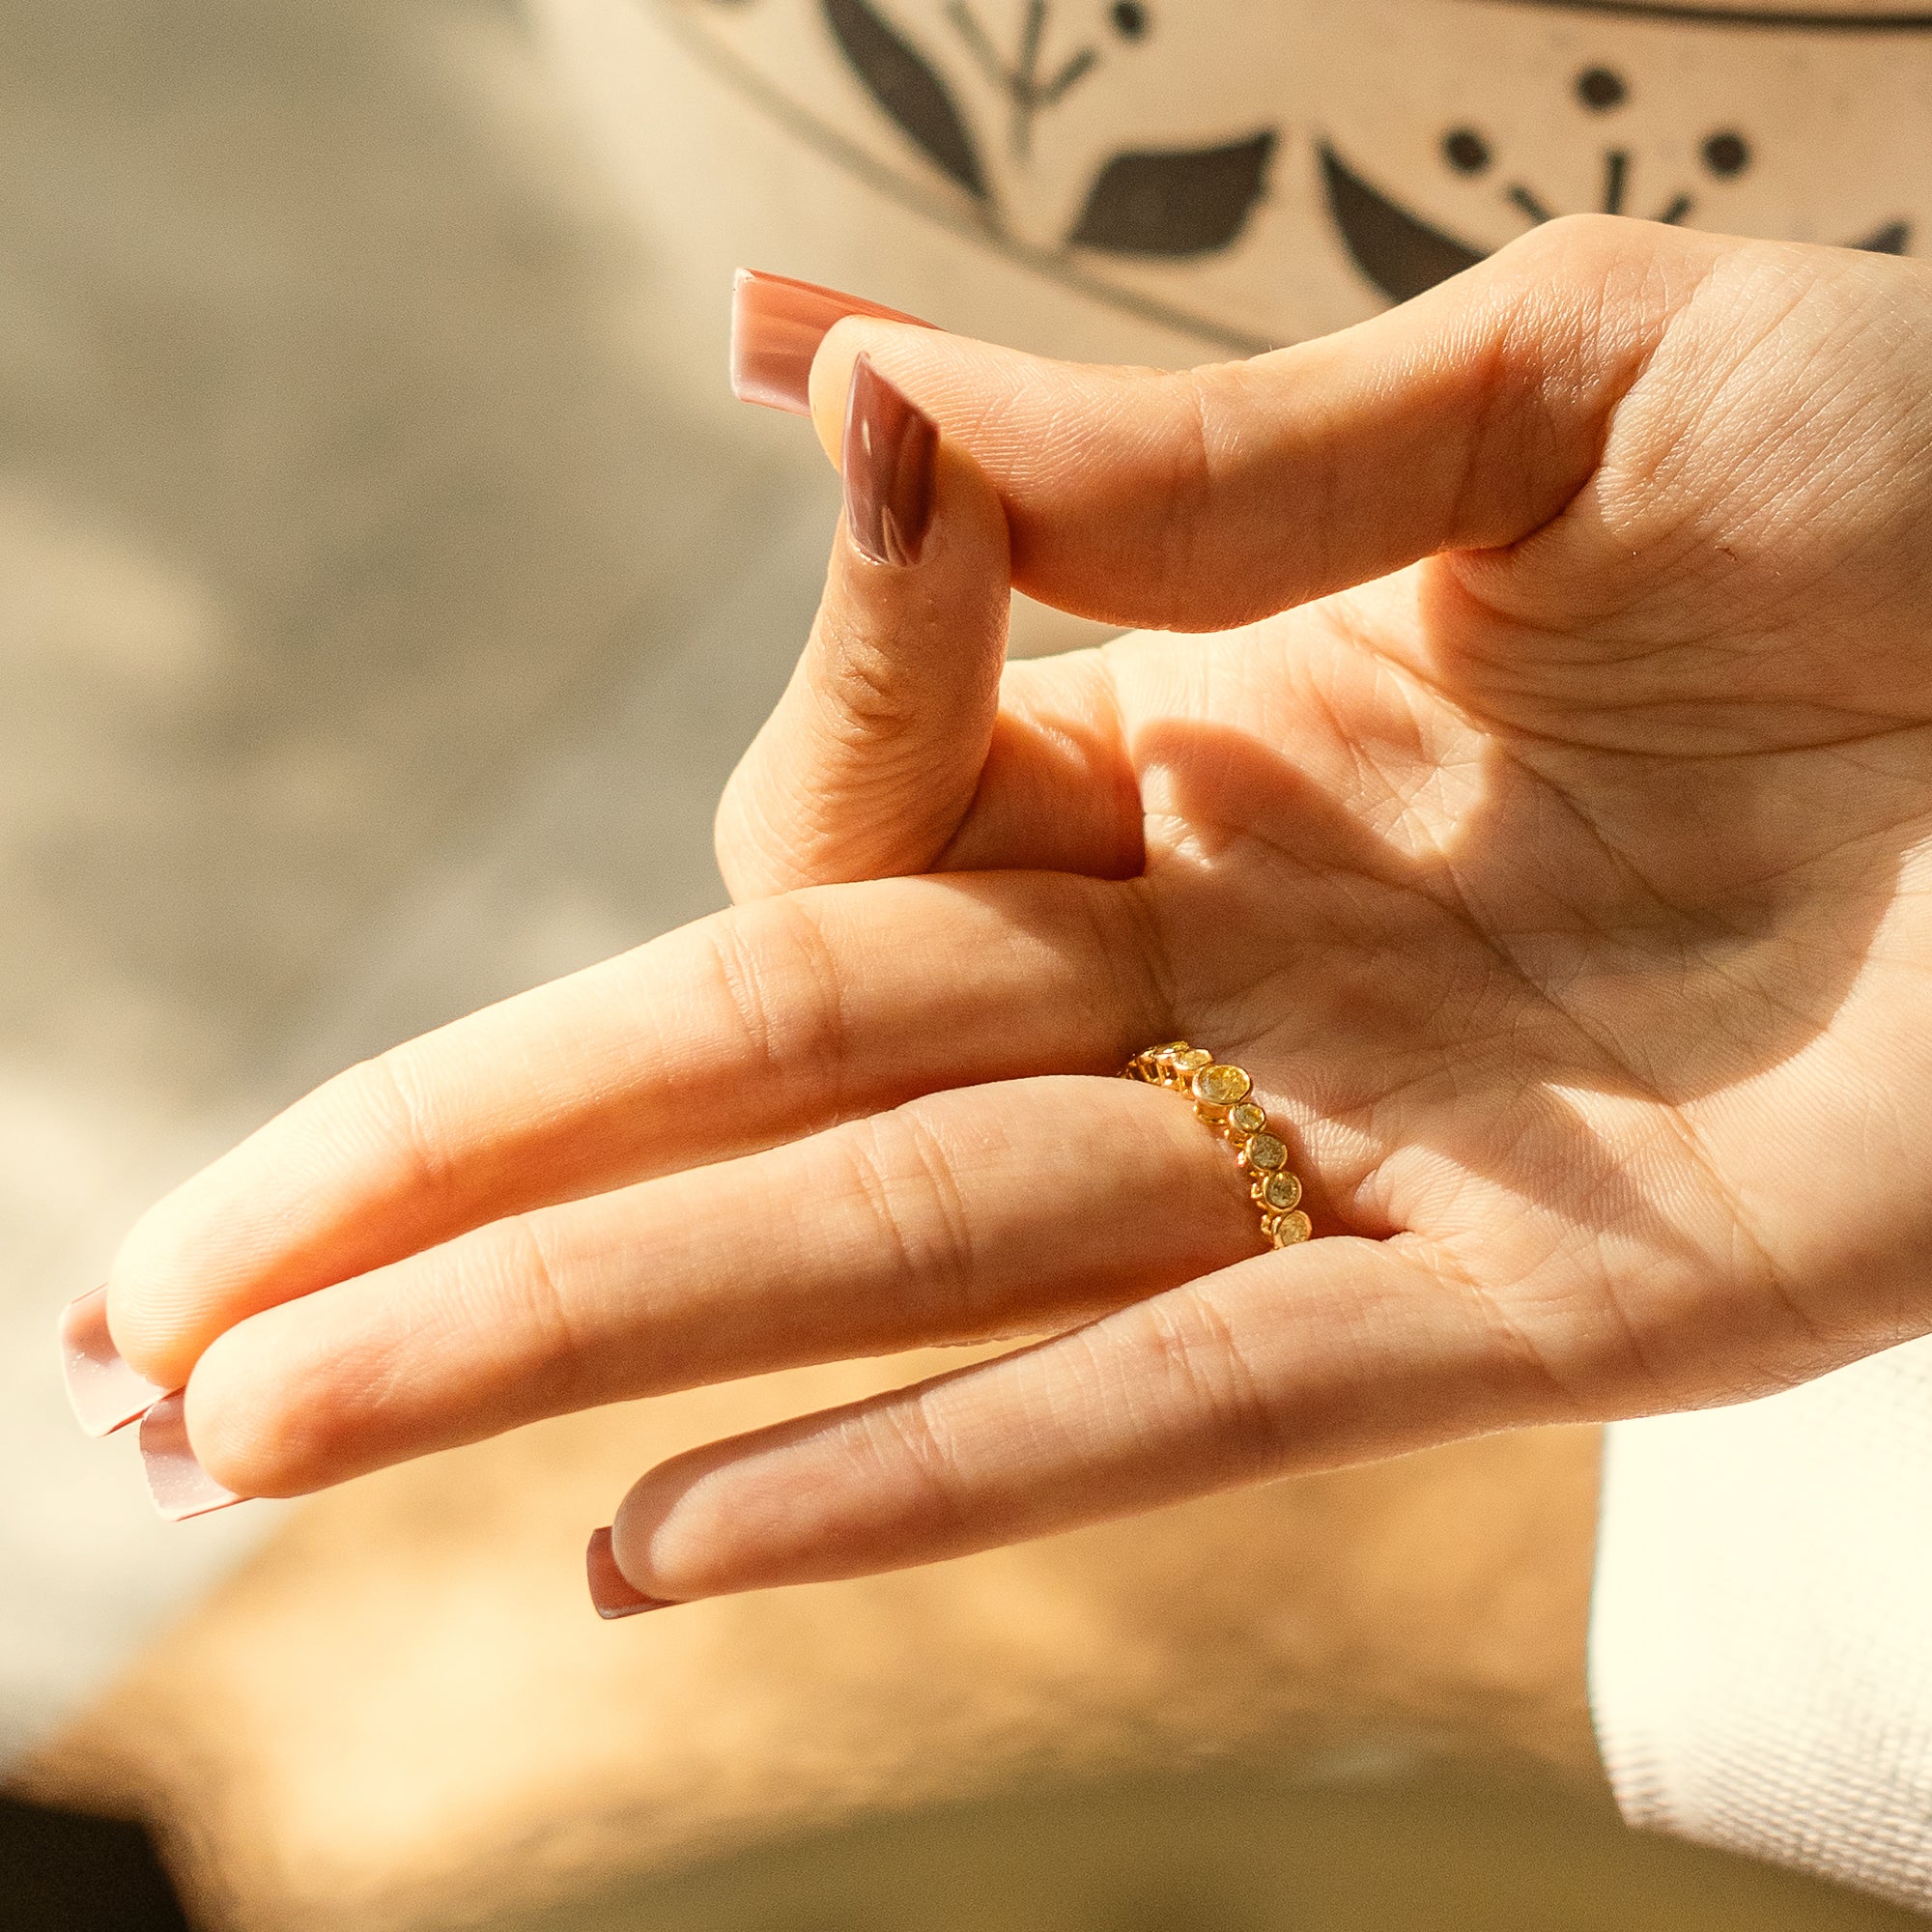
{"points": [[1893, 239], [1399, 253], [899, 79], [1187, 201]]}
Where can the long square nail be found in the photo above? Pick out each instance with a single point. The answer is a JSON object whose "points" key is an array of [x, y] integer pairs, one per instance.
{"points": [[777, 325], [107, 1394], [612, 1593], [176, 1480], [891, 447]]}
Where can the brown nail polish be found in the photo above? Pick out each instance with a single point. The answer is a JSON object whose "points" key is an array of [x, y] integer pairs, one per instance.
{"points": [[890, 448], [777, 325], [176, 1480], [610, 1592], [107, 1394]]}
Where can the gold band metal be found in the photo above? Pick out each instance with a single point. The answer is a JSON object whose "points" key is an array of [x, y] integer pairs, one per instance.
{"points": [[1223, 1098]]}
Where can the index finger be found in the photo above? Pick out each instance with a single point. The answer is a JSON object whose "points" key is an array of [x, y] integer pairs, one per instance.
{"points": [[738, 1032]]}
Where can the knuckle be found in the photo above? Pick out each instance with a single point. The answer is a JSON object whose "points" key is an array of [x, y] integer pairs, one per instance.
{"points": [[535, 1278], [1561, 323], [1581, 296], [1200, 427], [773, 972], [901, 1171], [902, 1446], [868, 702], [383, 1104], [1199, 1364], [1583, 257], [1574, 239]]}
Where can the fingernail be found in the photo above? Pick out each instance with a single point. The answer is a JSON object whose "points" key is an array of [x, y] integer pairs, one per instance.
{"points": [[777, 325], [176, 1480], [891, 444], [107, 1394], [610, 1592]]}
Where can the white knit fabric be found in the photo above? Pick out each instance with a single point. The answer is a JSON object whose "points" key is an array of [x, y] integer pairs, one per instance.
{"points": [[1761, 1639]]}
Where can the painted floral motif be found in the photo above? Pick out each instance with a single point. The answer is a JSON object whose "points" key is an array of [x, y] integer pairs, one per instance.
{"points": [[1252, 170]]}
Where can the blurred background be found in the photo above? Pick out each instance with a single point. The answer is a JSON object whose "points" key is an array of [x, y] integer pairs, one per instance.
{"points": [[385, 592], [374, 635]]}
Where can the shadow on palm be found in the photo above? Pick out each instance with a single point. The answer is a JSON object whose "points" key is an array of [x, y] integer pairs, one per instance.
{"points": [[1493, 992]]}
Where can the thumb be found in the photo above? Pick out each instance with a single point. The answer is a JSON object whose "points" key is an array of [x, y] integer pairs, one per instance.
{"points": [[1209, 498]]}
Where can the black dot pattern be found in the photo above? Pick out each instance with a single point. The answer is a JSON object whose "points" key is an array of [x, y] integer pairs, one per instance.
{"points": [[1728, 153], [1600, 90]]}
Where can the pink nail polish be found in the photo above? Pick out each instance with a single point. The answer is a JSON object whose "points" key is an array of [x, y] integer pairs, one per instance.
{"points": [[777, 325], [107, 1394], [176, 1480], [610, 1592], [890, 448]]}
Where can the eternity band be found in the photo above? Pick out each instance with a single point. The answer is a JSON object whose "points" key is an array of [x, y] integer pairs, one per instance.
{"points": [[1222, 1097]]}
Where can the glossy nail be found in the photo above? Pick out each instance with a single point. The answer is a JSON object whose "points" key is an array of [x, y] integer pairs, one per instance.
{"points": [[890, 448], [777, 325], [610, 1593], [107, 1394], [176, 1480]]}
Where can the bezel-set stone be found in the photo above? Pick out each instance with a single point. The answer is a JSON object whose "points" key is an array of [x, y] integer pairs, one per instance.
{"points": [[1219, 1084], [1192, 1059], [1280, 1193], [1264, 1152], [1288, 1230], [1245, 1116]]}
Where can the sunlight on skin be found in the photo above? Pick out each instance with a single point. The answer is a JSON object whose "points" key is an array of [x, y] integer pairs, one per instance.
{"points": [[1561, 890]]}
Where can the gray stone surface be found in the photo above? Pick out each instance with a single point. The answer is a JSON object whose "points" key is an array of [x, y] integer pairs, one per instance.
{"points": [[377, 624]]}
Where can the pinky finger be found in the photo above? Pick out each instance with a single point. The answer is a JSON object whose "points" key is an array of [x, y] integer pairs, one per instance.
{"points": [[1340, 1350]]}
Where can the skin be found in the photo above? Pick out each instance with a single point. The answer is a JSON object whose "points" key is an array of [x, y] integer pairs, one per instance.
{"points": [[1555, 863]]}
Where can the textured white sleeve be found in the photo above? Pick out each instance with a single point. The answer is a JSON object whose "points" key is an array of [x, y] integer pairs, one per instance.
{"points": [[1761, 1634]]}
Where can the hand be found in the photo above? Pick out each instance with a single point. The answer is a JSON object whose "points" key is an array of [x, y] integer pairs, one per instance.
{"points": [[1560, 890]]}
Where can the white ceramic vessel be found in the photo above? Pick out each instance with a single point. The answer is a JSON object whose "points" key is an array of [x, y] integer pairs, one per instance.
{"points": [[1175, 179]]}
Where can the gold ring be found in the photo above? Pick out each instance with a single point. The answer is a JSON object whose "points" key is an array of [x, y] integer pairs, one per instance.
{"points": [[1222, 1097]]}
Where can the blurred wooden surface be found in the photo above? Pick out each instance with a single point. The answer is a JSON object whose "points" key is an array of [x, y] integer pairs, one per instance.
{"points": [[403, 1714], [1234, 1852]]}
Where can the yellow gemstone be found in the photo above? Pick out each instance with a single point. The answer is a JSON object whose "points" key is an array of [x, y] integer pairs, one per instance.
{"points": [[1191, 1059], [1264, 1151], [1290, 1229], [1279, 1193], [1247, 1119], [1221, 1086]]}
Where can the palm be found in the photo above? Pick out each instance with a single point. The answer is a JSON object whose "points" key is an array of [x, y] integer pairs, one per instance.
{"points": [[1566, 896]]}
